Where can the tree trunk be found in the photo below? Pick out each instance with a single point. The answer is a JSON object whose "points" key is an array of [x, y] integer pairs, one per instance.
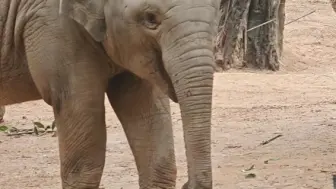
{"points": [[250, 34], [230, 26], [281, 24], [333, 4], [2, 113]]}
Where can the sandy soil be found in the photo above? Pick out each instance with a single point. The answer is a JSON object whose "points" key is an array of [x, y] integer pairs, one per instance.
{"points": [[298, 102]]}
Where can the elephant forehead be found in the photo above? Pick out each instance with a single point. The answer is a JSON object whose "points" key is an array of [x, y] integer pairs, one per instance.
{"points": [[168, 4], [167, 7], [195, 2], [192, 1]]}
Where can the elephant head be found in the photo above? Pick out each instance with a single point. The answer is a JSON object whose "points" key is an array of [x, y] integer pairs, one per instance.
{"points": [[169, 44]]}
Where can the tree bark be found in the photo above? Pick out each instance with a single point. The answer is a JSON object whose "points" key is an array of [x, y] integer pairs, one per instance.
{"points": [[2, 113], [230, 25], [333, 4], [242, 42]]}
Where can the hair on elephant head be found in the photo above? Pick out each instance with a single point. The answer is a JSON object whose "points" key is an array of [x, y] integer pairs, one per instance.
{"points": [[169, 44]]}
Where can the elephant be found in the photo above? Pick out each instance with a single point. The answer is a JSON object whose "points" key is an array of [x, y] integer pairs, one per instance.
{"points": [[2, 113], [141, 54]]}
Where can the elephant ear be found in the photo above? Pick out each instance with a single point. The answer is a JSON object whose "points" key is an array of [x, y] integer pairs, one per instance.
{"points": [[88, 13]]}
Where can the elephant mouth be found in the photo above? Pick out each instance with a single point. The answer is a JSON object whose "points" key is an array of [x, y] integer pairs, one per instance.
{"points": [[171, 92], [168, 88]]}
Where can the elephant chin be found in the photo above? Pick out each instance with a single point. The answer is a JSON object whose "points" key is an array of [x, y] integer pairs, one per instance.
{"points": [[168, 87], [172, 94], [166, 84]]}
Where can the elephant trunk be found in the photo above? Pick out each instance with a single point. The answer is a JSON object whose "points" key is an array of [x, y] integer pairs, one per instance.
{"points": [[190, 66]]}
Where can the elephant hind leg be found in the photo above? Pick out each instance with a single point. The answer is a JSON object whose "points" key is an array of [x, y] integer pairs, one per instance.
{"points": [[145, 116]]}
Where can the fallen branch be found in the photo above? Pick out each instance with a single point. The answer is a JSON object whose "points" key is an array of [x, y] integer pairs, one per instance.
{"points": [[270, 140], [28, 132], [21, 133]]}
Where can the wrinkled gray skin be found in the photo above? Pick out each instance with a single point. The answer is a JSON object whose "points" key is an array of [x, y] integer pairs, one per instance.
{"points": [[139, 52]]}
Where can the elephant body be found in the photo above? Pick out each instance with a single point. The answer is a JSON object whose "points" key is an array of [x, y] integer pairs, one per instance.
{"points": [[15, 80], [19, 19], [141, 53]]}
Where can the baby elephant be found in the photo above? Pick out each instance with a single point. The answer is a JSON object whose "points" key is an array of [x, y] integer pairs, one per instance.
{"points": [[141, 53]]}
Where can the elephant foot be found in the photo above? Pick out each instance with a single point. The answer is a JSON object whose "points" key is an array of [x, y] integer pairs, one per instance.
{"points": [[197, 185], [1, 120]]}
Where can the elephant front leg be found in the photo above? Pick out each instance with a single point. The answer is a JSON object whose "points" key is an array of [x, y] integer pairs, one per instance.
{"points": [[145, 116], [81, 132]]}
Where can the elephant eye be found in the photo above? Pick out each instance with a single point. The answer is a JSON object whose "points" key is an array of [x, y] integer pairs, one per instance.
{"points": [[151, 20]]}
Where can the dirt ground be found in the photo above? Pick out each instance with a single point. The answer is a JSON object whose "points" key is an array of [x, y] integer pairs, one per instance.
{"points": [[299, 102]]}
